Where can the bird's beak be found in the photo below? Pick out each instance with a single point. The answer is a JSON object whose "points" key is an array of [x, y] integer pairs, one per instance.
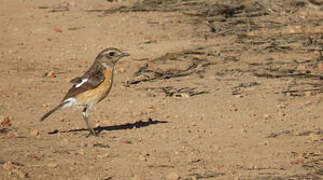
{"points": [[124, 55]]}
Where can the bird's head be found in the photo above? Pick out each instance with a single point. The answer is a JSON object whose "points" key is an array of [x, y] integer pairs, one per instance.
{"points": [[110, 56]]}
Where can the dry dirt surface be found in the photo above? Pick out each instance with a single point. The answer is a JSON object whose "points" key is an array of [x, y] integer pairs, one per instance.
{"points": [[226, 89]]}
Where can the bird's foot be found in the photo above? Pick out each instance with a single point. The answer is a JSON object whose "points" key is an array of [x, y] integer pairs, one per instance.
{"points": [[92, 133]]}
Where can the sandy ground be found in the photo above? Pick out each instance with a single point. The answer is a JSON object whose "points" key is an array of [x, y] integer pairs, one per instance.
{"points": [[212, 90]]}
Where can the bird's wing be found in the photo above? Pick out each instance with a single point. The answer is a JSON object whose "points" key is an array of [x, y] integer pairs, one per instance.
{"points": [[90, 80], [76, 80]]}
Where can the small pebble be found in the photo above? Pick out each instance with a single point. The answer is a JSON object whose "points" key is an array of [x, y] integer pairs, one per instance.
{"points": [[308, 93], [8, 165], [282, 106], [315, 137], [34, 132], [52, 165], [320, 67], [56, 29], [12, 134], [122, 70], [267, 116], [238, 96], [50, 74], [266, 143], [173, 176], [5, 121], [243, 130], [301, 67], [136, 177]]}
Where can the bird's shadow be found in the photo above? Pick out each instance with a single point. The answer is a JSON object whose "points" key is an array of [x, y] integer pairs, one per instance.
{"points": [[138, 124]]}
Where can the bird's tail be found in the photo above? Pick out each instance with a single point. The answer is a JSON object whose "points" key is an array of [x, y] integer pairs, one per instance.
{"points": [[52, 111]]}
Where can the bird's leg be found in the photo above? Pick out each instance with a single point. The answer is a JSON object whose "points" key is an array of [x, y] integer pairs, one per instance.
{"points": [[86, 119]]}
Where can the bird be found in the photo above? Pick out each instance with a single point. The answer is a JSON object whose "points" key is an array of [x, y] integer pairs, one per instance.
{"points": [[92, 87]]}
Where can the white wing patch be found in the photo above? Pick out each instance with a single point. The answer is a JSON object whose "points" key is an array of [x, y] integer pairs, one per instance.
{"points": [[81, 83]]}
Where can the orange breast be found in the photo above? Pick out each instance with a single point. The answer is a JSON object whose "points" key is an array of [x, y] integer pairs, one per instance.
{"points": [[94, 96]]}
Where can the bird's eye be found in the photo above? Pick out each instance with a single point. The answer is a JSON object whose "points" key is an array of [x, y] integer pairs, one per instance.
{"points": [[112, 53]]}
